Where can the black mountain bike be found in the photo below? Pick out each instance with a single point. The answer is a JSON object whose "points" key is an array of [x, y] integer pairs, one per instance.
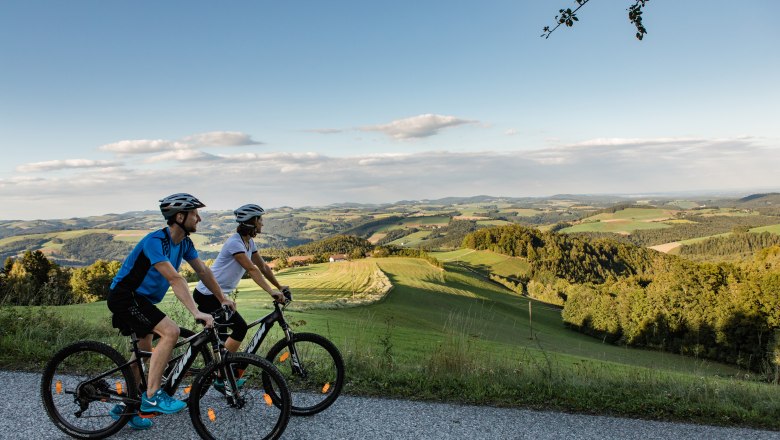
{"points": [[311, 365], [85, 380]]}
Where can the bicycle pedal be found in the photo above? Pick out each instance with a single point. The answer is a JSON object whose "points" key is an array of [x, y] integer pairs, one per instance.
{"points": [[147, 415]]}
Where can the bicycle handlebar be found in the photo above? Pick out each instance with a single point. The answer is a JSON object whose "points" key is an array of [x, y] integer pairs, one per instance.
{"points": [[221, 316], [287, 295]]}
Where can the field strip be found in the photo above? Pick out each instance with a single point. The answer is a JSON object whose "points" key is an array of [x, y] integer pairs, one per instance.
{"points": [[460, 256], [666, 247]]}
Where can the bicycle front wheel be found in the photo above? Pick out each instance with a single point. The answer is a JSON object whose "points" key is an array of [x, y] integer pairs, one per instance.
{"points": [[79, 393], [314, 371], [230, 400]]}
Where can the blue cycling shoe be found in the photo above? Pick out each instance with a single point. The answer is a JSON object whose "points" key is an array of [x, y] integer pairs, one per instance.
{"points": [[219, 385], [135, 423], [161, 402]]}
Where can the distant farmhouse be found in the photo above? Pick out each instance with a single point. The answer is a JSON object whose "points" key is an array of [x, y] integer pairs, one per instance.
{"points": [[337, 257]]}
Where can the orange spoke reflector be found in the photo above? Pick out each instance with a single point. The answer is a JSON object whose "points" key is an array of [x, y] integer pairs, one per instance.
{"points": [[326, 387], [284, 357], [240, 373], [119, 387], [267, 399], [188, 389], [212, 416], [58, 387]]}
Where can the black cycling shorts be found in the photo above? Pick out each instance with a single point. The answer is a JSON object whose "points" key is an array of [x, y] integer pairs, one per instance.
{"points": [[209, 304], [133, 313]]}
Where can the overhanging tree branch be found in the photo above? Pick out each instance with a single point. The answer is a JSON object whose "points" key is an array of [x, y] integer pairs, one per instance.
{"points": [[568, 17]]}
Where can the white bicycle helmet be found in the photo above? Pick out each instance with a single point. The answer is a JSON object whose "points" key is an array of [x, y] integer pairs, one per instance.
{"points": [[248, 212], [181, 202]]}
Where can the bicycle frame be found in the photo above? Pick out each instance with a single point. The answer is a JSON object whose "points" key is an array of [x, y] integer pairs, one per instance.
{"points": [[266, 323], [177, 366]]}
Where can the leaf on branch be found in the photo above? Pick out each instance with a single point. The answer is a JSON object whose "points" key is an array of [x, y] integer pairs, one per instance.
{"points": [[568, 17]]}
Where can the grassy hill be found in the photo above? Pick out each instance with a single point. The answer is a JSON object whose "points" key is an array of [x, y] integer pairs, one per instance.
{"points": [[449, 334], [425, 302]]}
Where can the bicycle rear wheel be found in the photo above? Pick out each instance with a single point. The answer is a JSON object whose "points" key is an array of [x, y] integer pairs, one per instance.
{"points": [[313, 369], [248, 413], [77, 399]]}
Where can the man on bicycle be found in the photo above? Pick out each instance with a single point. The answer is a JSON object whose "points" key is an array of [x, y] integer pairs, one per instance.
{"points": [[238, 255], [142, 282]]}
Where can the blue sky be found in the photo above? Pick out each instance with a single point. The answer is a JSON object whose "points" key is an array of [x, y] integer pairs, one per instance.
{"points": [[107, 106]]}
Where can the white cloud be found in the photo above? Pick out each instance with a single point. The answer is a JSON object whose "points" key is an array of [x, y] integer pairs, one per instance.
{"points": [[324, 130], [202, 140], [182, 156], [52, 165], [220, 139], [511, 132], [417, 126], [141, 146], [299, 179]]}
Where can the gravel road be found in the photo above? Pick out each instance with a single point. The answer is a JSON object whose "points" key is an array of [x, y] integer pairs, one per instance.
{"points": [[23, 417]]}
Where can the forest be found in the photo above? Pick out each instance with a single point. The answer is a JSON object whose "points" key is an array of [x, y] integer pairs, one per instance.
{"points": [[638, 297]]}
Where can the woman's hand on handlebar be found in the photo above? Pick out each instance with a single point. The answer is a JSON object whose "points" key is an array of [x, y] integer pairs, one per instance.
{"points": [[229, 303], [277, 296]]}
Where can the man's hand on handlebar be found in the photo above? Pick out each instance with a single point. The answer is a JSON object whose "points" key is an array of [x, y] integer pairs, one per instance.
{"points": [[205, 319]]}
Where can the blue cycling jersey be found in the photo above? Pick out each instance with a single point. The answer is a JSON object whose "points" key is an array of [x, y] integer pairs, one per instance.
{"points": [[138, 274]]}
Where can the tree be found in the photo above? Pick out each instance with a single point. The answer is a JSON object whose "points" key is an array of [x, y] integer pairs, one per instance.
{"points": [[37, 266], [568, 17], [92, 283]]}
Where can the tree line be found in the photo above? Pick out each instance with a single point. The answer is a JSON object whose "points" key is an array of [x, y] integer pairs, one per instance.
{"points": [[33, 279], [700, 226], [630, 295], [737, 245]]}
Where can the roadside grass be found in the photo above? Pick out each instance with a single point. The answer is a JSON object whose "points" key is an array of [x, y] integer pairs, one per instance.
{"points": [[450, 336]]}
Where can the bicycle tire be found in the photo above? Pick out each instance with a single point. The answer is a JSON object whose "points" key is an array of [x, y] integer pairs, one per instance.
{"points": [[319, 383], [65, 389], [213, 415]]}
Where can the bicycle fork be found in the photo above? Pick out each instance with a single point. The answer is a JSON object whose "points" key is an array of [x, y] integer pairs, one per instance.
{"points": [[297, 368]]}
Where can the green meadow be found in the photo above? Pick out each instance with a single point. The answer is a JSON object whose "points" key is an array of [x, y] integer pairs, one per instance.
{"points": [[412, 239], [448, 334], [496, 263], [774, 229], [624, 221]]}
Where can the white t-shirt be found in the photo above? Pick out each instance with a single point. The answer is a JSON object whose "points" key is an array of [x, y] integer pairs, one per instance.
{"points": [[227, 270]]}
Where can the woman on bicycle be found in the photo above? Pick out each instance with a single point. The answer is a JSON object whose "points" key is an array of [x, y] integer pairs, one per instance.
{"points": [[238, 256]]}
